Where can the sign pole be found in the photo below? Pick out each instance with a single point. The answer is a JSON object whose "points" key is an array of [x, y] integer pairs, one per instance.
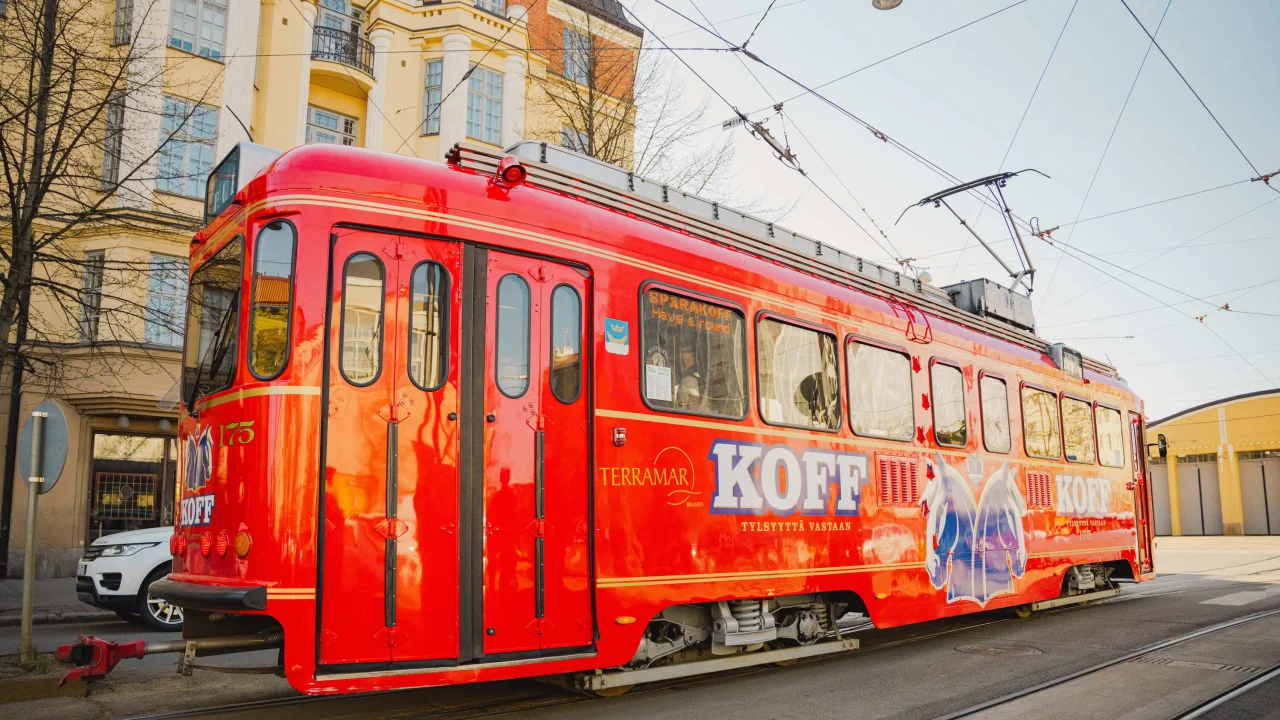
{"points": [[34, 483]]}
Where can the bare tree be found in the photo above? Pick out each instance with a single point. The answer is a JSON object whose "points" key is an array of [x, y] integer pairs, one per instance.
{"points": [[83, 131], [628, 107]]}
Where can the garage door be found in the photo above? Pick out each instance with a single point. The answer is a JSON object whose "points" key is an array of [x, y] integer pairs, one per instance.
{"points": [[1199, 501], [1160, 495], [1260, 491]]}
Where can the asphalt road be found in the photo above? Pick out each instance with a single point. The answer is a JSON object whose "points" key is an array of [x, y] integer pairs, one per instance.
{"points": [[929, 670]]}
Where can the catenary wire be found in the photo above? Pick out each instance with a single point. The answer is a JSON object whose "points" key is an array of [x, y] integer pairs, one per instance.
{"points": [[1034, 91], [1053, 272], [864, 67], [844, 111], [1193, 90], [1078, 295], [898, 256]]}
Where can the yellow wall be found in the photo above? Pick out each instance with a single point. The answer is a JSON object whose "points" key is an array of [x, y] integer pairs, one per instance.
{"points": [[1228, 428]]}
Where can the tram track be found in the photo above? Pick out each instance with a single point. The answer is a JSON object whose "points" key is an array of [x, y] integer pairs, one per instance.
{"points": [[556, 698], [1100, 667]]}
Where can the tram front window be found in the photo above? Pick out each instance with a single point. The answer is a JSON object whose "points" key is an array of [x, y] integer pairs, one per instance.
{"points": [[213, 324]]}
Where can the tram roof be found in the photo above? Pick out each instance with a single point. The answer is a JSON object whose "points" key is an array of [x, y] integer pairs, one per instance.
{"points": [[347, 169]]}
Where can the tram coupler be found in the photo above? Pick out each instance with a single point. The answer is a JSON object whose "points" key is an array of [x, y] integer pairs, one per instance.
{"points": [[94, 657]]}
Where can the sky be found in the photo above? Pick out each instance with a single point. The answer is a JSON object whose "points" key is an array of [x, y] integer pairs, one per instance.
{"points": [[999, 86]]}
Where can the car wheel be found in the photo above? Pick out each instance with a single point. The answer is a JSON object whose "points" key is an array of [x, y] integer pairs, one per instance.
{"points": [[155, 612]]}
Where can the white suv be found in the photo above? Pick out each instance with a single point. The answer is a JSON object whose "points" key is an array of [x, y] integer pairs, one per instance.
{"points": [[116, 573]]}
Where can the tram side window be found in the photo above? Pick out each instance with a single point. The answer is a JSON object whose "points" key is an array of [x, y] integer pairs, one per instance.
{"points": [[879, 392], [1040, 424], [428, 318], [1110, 437], [272, 295], [799, 380], [511, 364], [995, 414], [362, 295], [566, 344], [949, 425], [694, 356], [213, 323], [1077, 431]]}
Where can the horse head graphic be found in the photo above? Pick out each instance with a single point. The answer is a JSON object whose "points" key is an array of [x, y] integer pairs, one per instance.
{"points": [[1001, 541], [199, 459], [950, 514]]}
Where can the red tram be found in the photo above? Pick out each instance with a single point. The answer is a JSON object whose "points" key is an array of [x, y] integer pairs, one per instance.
{"points": [[498, 418]]}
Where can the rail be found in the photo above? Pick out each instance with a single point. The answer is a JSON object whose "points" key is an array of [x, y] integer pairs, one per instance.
{"points": [[340, 46]]}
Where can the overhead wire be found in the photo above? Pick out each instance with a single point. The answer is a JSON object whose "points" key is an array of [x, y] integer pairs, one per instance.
{"points": [[1053, 272], [1166, 252], [1186, 82], [1034, 91], [898, 256], [846, 112]]}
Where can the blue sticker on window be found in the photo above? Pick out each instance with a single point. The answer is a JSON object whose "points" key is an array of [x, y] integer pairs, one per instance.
{"points": [[617, 336]]}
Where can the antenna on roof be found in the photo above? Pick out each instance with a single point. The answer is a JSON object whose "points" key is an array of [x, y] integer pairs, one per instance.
{"points": [[993, 183]]}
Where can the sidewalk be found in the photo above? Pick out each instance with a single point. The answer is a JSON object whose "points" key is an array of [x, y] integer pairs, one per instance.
{"points": [[55, 602]]}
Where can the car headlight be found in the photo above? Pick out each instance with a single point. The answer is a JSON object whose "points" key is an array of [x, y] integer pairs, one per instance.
{"points": [[122, 550]]}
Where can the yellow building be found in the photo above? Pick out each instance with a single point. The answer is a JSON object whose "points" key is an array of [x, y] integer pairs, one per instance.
{"points": [[404, 77], [1222, 472]]}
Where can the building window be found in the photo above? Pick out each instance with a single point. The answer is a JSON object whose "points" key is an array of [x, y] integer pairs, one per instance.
{"points": [[124, 22], [577, 52], [694, 356], [188, 132], [575, 140], [484, 105], [879, 392], [798, 378], [994, 396], [112, 140], [328, 127], [91, 296], [431, 111], [198, 26], [1040, 424], [166, 300], [497, 7]]}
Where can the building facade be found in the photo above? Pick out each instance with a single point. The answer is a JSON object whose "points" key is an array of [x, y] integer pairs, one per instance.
{"points": [[1222, 472], [413, 78]]}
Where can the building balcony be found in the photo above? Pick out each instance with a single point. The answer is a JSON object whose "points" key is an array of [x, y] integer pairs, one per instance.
{"points": [[342, 47]]}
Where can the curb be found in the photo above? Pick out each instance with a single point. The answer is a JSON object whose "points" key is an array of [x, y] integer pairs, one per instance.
{"points": [[7, 620]]}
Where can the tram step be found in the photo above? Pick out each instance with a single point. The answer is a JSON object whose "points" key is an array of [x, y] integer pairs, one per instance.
{"points": [[623, 678]]}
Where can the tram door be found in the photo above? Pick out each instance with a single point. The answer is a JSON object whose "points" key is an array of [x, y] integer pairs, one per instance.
{"points": [[389, 590], [1141, 493], [535, 592]]}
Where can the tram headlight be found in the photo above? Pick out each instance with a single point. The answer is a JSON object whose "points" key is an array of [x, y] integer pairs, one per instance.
{"points": [[206, 543], [243, 543], [222, 543], [173, 544], [182, 544]]}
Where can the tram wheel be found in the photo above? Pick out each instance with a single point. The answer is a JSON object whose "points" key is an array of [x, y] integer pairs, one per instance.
{"points": [[614, 691], [1022, 611]]}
